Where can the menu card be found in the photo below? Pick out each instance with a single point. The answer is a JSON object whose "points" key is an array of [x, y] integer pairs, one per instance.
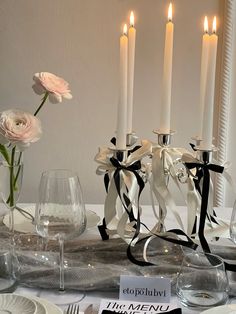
{"points": [[109, 306]]}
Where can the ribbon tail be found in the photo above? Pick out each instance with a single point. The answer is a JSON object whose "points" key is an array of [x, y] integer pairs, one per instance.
{"points": [[205, 194]]}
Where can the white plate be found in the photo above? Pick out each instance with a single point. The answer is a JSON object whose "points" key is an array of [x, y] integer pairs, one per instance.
{"points": [[15, 304], [223, 309], [40, 307], [50, 307], [23, 224]]}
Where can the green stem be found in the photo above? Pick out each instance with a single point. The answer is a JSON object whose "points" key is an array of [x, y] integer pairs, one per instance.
{"points": [[18, 170], [17, 174], [12, 177], [42, 103]]}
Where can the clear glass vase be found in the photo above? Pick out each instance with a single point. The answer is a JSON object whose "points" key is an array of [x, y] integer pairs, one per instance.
{"points": [[11, 174]]}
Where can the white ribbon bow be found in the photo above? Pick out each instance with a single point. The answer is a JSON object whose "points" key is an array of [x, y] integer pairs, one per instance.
{"points": [[116, 217]]}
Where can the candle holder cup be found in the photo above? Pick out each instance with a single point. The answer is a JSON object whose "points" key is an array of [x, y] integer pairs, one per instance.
{"points": [[131, 139], [205, 155], [197, 139], [164, 139]]}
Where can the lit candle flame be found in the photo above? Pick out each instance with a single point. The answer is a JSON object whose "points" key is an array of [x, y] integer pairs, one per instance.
{"points": [[125, 29], [214, 25], [131, 19], [170, 12], [206, 25]]}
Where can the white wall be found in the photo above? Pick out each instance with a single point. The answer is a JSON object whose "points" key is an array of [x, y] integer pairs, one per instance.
{"points": [[79, 40]]}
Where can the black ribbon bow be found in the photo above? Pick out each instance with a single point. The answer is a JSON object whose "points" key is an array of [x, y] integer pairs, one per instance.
{"points": [[203, 172]]}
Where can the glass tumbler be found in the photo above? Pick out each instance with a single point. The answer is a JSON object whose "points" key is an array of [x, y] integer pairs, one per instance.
{"points": [[202, 281]]}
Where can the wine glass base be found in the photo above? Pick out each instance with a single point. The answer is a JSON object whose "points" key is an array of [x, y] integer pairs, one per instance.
{"points": [[7, 285], [62, 297], [202, 299]]}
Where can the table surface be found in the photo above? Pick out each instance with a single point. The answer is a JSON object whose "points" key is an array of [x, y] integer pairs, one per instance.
{"points": [[94, 297]]}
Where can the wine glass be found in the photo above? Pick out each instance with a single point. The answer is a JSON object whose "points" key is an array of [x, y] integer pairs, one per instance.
{"points": [[60, 215], [11, 174]]}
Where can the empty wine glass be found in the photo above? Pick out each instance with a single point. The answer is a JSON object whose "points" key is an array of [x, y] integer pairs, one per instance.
{"points": [[60, 212], [11, 173]]}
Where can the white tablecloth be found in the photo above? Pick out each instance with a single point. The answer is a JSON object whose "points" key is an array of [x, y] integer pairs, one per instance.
{"points": [[95, 296]]}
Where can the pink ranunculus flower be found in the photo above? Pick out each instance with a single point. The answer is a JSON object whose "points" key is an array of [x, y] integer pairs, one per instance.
{"points": [[56, 87], [19, 128]]}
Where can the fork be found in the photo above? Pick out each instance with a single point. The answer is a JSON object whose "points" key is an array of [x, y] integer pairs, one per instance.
{"points": [[73, 309]]}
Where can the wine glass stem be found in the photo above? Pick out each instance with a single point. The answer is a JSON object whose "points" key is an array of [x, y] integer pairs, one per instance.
{"points": [[61, 265], [11, 225]]}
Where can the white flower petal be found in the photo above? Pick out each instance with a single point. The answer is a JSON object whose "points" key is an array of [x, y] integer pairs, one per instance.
{"points": [[55, 98], [38, 89], [67, 96]]}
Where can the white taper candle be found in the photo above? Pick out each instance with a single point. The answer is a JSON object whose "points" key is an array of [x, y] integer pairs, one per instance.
{"points": [[167, 75], [131, 59], [207, 130], [203, 75], [122, 106]]}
